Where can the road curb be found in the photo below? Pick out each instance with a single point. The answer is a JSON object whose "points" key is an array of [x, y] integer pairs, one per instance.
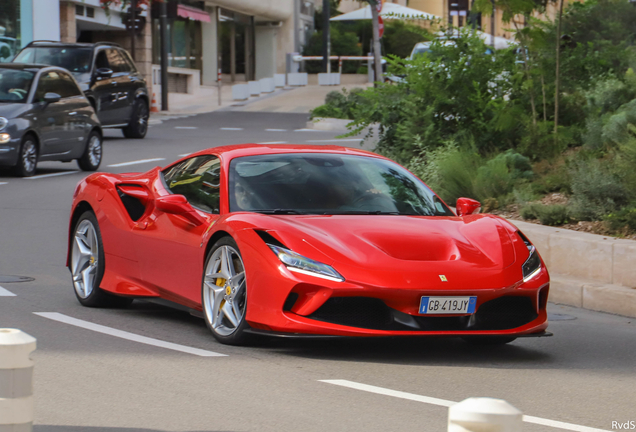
{"points": [[587, 270]]}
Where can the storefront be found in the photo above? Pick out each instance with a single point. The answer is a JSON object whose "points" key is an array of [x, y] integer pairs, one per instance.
{"points": [[10, 26]]}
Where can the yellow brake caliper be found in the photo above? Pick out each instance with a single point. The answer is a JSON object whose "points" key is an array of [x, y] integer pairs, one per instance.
{"points": [[220, 282]]}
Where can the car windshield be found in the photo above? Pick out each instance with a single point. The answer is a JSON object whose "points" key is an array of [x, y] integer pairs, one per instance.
{"points": [[328, 184], [15, 85], [75, 59]]}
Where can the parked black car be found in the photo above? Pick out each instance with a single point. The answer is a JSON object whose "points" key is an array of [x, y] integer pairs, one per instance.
{"points": [[44, 116], [107, 75]]}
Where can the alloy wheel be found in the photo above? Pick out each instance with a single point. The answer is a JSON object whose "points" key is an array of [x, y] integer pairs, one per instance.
{"points": [[29, 156], [84, 258], [95, 150], [224, 291], [143, 119]]}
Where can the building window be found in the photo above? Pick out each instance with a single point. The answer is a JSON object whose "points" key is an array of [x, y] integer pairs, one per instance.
{"points": [[9, 30], [79, 10], [90, 12]]}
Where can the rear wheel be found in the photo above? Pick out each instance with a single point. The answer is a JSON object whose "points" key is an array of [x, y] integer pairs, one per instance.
{"points": [[27, 157], [488, 340], [224, 293], [92, 157], [87, 265], [138, 126]]}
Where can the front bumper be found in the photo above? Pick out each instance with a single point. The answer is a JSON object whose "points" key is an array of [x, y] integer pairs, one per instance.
{"points": [[9, 153], [310, 306]]}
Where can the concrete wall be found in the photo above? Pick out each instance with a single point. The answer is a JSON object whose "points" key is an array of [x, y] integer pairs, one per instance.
{"points": [[277, 10], [266, 49], [209, 74], [46, 20]]}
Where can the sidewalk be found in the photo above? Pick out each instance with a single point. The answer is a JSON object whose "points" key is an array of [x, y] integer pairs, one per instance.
{"points": [[287, 100]]}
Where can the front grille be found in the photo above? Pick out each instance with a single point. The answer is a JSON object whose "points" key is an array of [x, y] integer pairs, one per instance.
{"points": [[504, 313]]}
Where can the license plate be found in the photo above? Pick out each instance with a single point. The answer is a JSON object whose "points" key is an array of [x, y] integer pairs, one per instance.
{"points": [[448, 305]]}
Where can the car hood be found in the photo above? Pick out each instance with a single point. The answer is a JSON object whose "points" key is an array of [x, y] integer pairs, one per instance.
{"points": [[12, 110], [406, 249]]}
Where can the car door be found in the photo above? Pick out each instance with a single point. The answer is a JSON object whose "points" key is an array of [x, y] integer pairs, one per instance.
{"points": [[76, 110], [169, 247], [124, 93], [53, 120], [104, 89]]}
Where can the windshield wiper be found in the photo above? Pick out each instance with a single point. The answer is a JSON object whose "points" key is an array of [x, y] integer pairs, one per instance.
{"points": [[362, 212], [279, 211]]}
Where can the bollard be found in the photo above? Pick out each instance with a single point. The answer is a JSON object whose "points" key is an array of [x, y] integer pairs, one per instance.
{"points": [[484, 415], [16, 381]]}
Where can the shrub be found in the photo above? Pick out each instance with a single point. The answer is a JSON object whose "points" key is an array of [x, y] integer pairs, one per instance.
{"points": [[553, 215], [339, 105], [596, 190], [622, 220]]}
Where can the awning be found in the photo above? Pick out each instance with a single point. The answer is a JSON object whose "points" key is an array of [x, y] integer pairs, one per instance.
{"points": [[389, 11], [185, 11]]}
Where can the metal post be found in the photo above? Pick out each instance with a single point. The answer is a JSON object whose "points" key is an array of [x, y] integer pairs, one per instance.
{"points": [[219, 64], [233, 50], [377, 49], [16, 384], [163, 21], [326, 36], [133, 25], [492, 24]]}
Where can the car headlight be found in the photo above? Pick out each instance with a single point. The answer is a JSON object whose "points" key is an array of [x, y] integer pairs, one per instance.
{"points": [[532, 266], [300, 264], [4, 138], [3, 123]]}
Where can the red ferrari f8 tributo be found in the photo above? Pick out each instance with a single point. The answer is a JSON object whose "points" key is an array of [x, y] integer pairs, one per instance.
{"points": [[304, 240]]}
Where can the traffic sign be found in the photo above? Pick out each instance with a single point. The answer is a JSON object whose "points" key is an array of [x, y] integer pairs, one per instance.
{"points": [[381, 26], [378, 5]]}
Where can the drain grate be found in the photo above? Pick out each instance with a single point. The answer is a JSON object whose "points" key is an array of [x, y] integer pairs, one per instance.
{"points": [[15, 279]]}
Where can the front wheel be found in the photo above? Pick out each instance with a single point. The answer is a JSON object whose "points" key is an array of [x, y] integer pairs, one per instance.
{"points": [[92, 157], [138, 126], [224, 293], [27, 157], [87, 264]]}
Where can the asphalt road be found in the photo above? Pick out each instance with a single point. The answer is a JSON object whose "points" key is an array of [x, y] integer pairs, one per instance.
{"points": [[87, 380]]}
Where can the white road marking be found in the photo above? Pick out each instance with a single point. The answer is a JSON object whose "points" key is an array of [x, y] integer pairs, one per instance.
{"points": [[6, 293], [335, 140], [3, 183], [186, 127], [308, 130], [50, 175], [185, 154], [232, 129], [274, 142], [126, 335], [137, 162], [276, 130], [447, 403]]}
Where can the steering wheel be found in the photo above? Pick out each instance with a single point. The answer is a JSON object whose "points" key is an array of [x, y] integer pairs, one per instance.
{"points": [[21, 93]]}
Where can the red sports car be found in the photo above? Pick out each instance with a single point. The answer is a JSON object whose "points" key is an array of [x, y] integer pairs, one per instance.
{"points": [[304, 240]]}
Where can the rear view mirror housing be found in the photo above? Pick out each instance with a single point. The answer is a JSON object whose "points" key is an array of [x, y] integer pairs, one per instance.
{"points": [[179, 205], [467, 206], [103, 73], [51, 97]]}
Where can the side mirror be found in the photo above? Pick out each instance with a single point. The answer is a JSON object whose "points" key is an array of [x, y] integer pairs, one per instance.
{"points": [[179, 205], [467, 206], [52, 97], [103, 73]]}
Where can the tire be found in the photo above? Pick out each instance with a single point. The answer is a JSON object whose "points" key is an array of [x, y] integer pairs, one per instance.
{"points": [[488, 340], [138, 126], [27, 157], [87, 265], [92, 157], [224, 299]]}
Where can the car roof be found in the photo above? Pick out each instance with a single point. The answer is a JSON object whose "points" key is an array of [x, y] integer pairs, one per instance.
{"points": [[25, 66], [234, 151], [46, 43]]}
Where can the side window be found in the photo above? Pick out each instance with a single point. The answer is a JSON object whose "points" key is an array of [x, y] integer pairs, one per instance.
{"points": [[49, 82], [69, 86], [199, 180], [101, 61], [129, 61], [116, 61]]}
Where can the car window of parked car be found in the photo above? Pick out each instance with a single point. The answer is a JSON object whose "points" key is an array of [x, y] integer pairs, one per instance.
{"points": [[15, 85], [101, 61], [199, 180], [131, 64], [56, 82], [75, 59], [116, 61]]}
